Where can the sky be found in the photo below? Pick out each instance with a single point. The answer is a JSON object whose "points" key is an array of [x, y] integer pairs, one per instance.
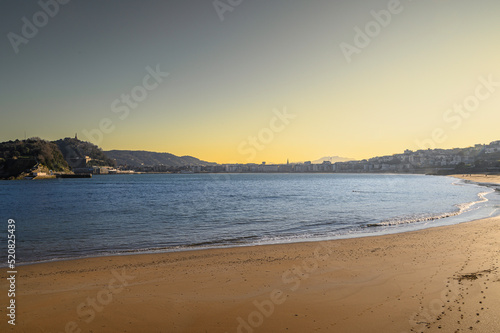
{"points": [[240, 81]]}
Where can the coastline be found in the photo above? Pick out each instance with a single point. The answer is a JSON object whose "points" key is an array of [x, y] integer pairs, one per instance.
{"points": [[479, 178], [372, 230], [439, 279], [391, 283]]}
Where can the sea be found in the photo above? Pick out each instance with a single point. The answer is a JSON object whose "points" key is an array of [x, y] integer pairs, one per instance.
{"points": [[147, 213]]}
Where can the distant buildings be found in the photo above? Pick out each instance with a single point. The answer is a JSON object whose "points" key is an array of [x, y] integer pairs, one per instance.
{"points": [[493, 147], [420, 161], [479, 157]]}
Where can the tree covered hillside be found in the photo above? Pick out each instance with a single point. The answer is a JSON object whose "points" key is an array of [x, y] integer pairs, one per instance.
{"points": [[74, 149], [17, 157]]}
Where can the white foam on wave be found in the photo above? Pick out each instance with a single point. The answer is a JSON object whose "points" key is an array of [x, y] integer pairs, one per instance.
{"points": [[461, 208]]}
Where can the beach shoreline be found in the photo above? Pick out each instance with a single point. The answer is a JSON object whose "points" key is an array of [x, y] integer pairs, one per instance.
{"points": [[476, 179], [391, 283], [439, 279], [371, 229], [479, 178]]}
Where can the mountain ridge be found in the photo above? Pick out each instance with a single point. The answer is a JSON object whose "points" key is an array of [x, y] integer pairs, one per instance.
{"points": [[138, 158]]}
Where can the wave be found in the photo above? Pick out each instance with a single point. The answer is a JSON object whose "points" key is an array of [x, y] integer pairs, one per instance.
{"points": [[461, 208]]}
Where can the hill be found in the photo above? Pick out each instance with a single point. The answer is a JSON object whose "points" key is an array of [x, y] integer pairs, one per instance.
{"points": [[18, 157], [138, 158], [75, 152]]}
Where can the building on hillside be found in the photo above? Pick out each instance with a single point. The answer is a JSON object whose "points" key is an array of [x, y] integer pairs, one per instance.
{"points": [[493, 147], [100, 171]]}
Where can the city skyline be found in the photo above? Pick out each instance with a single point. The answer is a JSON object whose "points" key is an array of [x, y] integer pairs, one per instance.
{"points": [[255, 81]]}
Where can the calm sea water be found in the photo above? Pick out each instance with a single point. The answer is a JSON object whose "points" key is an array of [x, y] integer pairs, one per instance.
{"points": [[57, 219]]}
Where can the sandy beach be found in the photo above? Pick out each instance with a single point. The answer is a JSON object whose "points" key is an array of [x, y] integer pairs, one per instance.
{"points": [[493, 179], [444, 279]]}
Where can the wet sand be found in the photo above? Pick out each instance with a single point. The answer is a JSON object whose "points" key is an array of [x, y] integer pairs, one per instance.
{"points": [[478, 178], [436, 280], [444, 279]]}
